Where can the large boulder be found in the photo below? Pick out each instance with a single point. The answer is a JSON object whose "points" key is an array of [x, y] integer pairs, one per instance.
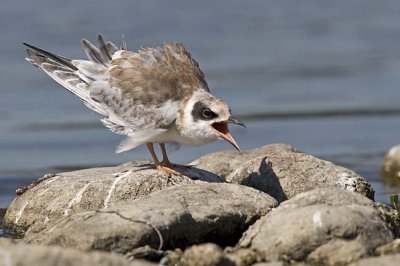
{"points": [[282, 171], [56, 196], [28, 255], [325, 226], [174, 217]]}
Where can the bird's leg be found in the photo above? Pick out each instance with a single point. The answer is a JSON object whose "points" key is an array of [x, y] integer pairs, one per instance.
{"points": [[166, 161], [164, 168], [153, 154]]}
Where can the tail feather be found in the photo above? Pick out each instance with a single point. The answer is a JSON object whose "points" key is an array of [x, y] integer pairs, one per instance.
{"points": [[102, 54], [111, 47], [92, 52], [103, 48], [77, 76], [45, 54]]}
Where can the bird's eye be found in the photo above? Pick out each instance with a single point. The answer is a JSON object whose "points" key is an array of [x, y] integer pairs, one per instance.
{"points": [[207, 113], [202, 112]]}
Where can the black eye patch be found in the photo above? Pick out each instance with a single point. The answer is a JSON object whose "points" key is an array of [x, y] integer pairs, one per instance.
{"points": [[202, 112]]}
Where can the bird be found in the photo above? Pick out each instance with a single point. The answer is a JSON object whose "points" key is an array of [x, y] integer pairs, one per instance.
{"points": [[154, 95]]}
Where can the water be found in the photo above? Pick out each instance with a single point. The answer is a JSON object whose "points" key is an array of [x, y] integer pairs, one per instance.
{"points": [[322, 76]]}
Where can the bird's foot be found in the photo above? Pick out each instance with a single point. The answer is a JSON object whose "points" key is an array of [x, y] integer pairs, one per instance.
{"points": [[174, 165], [167, 168]]}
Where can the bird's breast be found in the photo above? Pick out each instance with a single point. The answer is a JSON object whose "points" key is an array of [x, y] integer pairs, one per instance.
{"points": [[172, 135]]}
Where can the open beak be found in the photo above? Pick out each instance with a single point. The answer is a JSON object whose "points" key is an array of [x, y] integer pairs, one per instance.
{"points": [[235, 121], [222, 130]]}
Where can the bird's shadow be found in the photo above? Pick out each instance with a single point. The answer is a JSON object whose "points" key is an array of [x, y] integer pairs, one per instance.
{"points": [[266, 180], [189, 171]]}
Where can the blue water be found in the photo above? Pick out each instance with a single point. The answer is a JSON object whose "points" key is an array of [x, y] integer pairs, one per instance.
{"points": [[322, 76]]}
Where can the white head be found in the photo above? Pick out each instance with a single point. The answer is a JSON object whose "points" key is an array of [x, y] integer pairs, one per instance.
{"points": [[204, 118]]}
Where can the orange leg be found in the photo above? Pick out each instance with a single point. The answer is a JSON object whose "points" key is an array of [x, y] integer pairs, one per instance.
{"points": [[166, 161], [166, 168]]}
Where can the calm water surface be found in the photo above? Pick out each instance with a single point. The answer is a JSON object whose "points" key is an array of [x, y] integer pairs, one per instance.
{"points": [[323, 77]]}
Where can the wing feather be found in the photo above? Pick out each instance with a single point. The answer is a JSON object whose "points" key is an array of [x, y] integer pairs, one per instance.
{"points": [[145, 88]]}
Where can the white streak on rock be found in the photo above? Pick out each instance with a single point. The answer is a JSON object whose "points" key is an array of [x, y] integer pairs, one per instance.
{"points": [[76, 199], [346, 182], [113, 186], [317, 220], [20, 212], [52, 180], [5, 255]]}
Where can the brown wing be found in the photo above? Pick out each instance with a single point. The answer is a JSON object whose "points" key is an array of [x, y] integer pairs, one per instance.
{"points": [[141, 84]]}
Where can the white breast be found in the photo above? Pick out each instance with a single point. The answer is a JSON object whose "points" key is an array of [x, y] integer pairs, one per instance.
{"points": [[172, 136]]}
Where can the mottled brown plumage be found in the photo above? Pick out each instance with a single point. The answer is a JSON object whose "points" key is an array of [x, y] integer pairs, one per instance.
{"points": [[171, 70]]}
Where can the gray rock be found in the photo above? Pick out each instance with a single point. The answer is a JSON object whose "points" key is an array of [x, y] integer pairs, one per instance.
{"points": [[282, 171], [242, 256], [327, 226], [28, 255], [174, 217], [224, 163], [389, 260], [204, 255], [56, 196], [274, 263], [391, 248]]}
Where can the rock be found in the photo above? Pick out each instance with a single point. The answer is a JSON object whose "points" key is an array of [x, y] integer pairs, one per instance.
{"points": [[139, 212], [27, 255], [171, 218], [391, 217], [389, 260], [204, 255], [242, 256], [391, 167], [172, 257], [274, 263], [391, 248], [56, 196], [282, 171], [145, 252], [224, 163], [326, 226]]}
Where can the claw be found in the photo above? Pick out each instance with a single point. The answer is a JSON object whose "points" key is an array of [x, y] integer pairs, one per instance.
{"points": [[167, 169]]}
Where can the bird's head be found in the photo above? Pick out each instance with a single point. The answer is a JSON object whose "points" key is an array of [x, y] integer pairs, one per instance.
{"points": [[206, 118]]}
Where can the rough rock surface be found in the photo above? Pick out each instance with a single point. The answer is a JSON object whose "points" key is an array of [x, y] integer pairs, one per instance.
{"points": [[167, 219], [388, 260], [204, 255], [391, 248], [282, 171], [319, 227], [224, 163], [28, 255], [56, 196]]}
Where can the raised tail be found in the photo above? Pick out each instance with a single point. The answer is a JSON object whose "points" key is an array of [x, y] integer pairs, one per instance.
{"points": [[77, 76]]}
